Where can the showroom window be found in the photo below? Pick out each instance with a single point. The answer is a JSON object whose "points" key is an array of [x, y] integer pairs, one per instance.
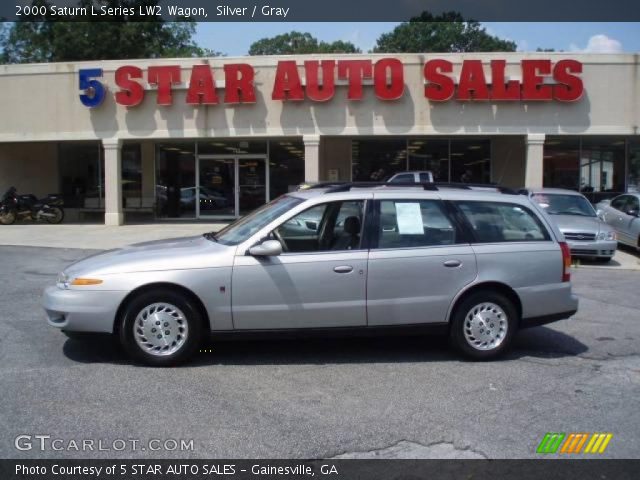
{"points": [[82, 174], [376, 160], [132, 177], [592, 165], [286, 166], [470, 161], [602, 166], [450, 160], [561, 162], [176, 180], [430, 154], [633, 170]]}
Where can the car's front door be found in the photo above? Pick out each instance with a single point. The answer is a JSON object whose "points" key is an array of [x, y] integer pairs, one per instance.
{"points": [[417, 264], [629, 222], [318, 281], [616, 216]]}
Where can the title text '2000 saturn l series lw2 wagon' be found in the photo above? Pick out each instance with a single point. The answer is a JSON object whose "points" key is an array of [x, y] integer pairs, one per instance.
{"points": [[476, 264]]}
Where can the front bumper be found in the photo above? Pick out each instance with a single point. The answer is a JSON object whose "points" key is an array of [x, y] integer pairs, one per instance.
{"points": [[596, 248], [82, 310]]}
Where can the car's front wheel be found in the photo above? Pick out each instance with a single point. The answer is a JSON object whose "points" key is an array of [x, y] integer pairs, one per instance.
{"points": [[161, 328], [483, 325]]}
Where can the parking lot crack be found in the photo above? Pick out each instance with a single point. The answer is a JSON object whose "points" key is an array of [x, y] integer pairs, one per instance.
{"points": [[410, 449]]}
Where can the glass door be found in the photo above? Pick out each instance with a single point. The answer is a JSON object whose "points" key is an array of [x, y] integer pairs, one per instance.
{"points": [[252, 184], [216, 187]]}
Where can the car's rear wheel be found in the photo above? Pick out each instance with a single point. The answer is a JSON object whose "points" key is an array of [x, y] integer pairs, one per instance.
{"points": [[483, 325], [161, 328]]}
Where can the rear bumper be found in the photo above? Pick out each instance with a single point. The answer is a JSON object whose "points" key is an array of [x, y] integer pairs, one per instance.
{"points": [[544, 319], [82, 311], [602, 248]]}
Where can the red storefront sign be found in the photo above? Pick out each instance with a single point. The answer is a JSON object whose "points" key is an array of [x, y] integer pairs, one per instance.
{"points": [[539, 80]]}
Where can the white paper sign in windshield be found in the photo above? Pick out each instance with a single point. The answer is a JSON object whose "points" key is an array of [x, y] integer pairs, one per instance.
{"points": [[409, 219]]}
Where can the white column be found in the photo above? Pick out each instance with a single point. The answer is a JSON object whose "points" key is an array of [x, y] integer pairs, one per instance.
{"points": [[311, 158], [113, 214], [535, 159]]}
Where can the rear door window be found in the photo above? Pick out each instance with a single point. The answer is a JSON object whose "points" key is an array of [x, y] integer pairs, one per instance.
{"points": [[414, 223], [493, 222], [619, 202], [404, 178]]}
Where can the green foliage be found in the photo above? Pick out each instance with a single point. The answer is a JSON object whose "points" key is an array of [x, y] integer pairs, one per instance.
{"points": [[131, 37], [448, 32], [298, 43]]}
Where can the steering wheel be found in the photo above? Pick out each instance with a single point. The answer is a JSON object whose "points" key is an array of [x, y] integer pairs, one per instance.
{"points": [[279, 238]]}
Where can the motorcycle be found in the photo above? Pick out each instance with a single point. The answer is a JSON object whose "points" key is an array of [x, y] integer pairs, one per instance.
{"points": [[14, 206]]}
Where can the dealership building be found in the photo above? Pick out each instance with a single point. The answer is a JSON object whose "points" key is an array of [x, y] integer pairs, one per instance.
{"points": [[213, 138]]}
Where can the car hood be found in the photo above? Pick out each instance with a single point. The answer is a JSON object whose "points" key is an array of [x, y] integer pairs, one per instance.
{"points": [[170, 254], [577, 223]]}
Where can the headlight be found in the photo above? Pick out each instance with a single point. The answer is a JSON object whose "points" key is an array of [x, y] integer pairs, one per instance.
{"points": [[610, 235], [63, 280]]}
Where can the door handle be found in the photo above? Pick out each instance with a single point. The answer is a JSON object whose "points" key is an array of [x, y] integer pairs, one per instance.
{"points": [[343, 269], [452, 263]]}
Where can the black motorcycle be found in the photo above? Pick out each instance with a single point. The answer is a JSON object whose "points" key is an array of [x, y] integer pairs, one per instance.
{"points": [[14, 206]]}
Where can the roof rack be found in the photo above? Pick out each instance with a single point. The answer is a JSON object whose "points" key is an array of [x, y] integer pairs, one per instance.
{"points": [[334, 187], [479, 186]]}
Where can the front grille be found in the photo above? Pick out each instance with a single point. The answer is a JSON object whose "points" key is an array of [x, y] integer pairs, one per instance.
{"points": [[585, 237]]}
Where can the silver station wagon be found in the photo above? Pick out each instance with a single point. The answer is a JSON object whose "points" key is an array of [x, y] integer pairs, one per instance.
{"points": [[475, 265]]}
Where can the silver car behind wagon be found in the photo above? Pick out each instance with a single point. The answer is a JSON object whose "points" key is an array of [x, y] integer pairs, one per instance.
{"points": [[586, 234], [475, 265]]}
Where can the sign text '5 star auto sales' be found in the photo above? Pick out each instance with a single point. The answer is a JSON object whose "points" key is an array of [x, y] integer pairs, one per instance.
{"points": [[317, 81]]}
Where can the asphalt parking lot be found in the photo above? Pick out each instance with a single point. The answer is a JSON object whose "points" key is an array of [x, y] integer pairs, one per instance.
{"points": [[375, 397]]}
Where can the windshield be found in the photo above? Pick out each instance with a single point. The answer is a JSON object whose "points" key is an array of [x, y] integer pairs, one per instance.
{"points": [[240, 230], [558, 204]]}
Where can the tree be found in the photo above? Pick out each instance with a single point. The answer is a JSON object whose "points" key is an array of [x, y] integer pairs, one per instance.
{"points": [[448, 32], [58, 39], [298, 43]]}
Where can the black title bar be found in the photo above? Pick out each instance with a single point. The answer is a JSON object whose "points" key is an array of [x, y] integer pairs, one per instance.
{"points": [[319, 469], [327, 10]]}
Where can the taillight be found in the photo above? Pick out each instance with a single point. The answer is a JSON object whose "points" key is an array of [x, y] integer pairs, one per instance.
{"points": [[566, 262]]}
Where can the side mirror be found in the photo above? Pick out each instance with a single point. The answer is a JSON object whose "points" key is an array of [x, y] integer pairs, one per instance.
{"points": [[633, 213], [311, 225], [268, 248]]}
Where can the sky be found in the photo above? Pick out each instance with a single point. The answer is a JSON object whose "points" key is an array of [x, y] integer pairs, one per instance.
{"points": [[234, 39]]}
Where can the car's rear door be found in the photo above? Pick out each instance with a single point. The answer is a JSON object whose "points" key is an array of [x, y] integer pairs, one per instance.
{"points": [[418, 261]]}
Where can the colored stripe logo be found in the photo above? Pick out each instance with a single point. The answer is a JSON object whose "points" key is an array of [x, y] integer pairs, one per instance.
{"points": [[573, 443]]}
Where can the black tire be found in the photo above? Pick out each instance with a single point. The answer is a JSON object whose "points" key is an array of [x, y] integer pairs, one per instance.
{"points": [[8, 218], [59, 215], [191, 316], [484, 351]]}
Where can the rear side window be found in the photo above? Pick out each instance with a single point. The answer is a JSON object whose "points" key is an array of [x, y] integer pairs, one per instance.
{"points": [[619, 202], [425, 178], [414, 223], [404, 178], [502, 222]]}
